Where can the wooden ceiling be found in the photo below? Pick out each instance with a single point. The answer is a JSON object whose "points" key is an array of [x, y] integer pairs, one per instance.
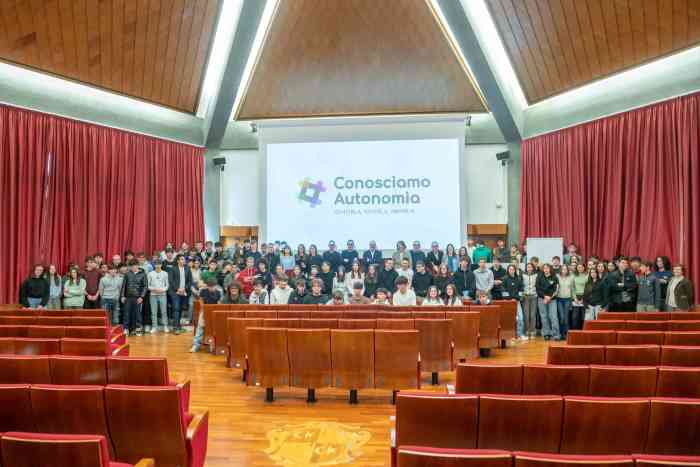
{"points": [[356, 57], [155, 50], [557, 45]]}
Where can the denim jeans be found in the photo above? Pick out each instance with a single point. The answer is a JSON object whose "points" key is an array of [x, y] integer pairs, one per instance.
{"points": [[520, 321], [530, 314], [177, 302], [131, 312], [34, 302], [112, 307], [563, 311], [549, 317], [159, 301], [199, 334], [54, 303], [592, 312]]}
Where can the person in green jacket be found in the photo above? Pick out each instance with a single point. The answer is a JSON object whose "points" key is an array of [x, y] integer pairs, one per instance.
{"points": [[74, 290], [482, 251]]}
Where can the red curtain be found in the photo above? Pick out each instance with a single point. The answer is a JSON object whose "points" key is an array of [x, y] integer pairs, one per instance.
{"points": [[626, 184], [70, 189]]}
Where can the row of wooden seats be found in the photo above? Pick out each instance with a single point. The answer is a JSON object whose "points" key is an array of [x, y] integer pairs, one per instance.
{"points": [[65, 346], [650, 315], [58, 332], [641, 325], [419, 456], [578, 380], [94, 312], [54, 321], [549, 424], [631, 355], [575, 337], [137, 421]]}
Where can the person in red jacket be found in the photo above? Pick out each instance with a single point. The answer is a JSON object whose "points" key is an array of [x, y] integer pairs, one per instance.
{"points": [[248, 275]]}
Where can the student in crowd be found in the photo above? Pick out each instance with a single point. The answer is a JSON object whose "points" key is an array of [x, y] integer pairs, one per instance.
{"points": [[481, 252], [556, 266], [314, 258], [246, 276], [259, 295], [452, 297], [501, 252], [442, 278], [297, 273], [565, 296], [316, 297], [515, 254], [482, 298], [433, 297], [55, 288], [234, 294], [422, 281], [594, 295], [355, 276], [469, 249], [602, 269], [133, 292], [226, 275], [254, 253], [484, 277], [636, 265], [416, 255], [529, 300], [92, 277], [387, 278], [450, 259], [499, 273], [547, 286], [196, 272], [158, 287], [281, 293], [271, 259], [464, 279], [301, 258], [332, 257], [434, 258], [337, 298], [663, 272], [371, 281], [381, 297], [180, 285], [357, 297], [35, 290], [74, 290], [403, 295], [339, 282], [210, 295], [313, 274], [349, 255], [287, 259], [143, 263], [649, 289], [578, 307], [622, 287], [110, 291], [264, 274], [327, 276], [680, 291], [571, 252], [372, 255], [463, 253], [401, 253], [406, 271], [512, 289], [169, 262], [99, 260]]}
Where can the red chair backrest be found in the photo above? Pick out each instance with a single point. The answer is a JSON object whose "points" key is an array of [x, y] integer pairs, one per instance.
{"points": [[15, 408], [71, 370], [566, 380], [678, 382], [623, 381], [475, 378], [24, 369], [26, 346], [632, 355], [87, 347], [674, 427], [53, 450], [679, 355], [138, 371]]}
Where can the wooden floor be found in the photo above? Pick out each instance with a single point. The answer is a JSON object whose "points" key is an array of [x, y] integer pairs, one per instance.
{"points": [[304, 434]]}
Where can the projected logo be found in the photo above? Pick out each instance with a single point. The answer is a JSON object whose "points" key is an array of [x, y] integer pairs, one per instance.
{"points": [[310, 192]]}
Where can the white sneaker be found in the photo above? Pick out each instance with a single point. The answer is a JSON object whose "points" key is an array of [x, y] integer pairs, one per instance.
{"points": [[166, 330], [524, 338], [194, 350], [153, 330]]}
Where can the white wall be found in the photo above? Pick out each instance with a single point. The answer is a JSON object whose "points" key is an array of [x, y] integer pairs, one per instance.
{"points": [[241, 188], [485, 185]]}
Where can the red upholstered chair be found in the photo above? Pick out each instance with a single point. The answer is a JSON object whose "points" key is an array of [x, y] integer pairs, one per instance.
{"points": [[575, 337], [78, 370], [649, 460], [565, 380], [475, 378], [623, 381], [394, 315], [145, 371], [357, 323], [15, 408], [24, 369], [8, 330], [264, 314], [678, 382], [684, 315], [27, 346], [148, 421], [92, 347], [309, 359], [604, 425], [465, 334], [325, 313], [237, 340], [268, 359], [674, 427], [78, 410], [604, 325], [632, 355], [677, 355], [489, 326], [87, 332], [684, 326], [50, 450], [682, 338], [383, 323], [437, 420], [416, 456], [53, 320], [46, 332], [7, 345], [529, 423], [298, 314], [397, 359], [435, 345], [359, 314], [641, 325], [616, 315], [535, 459], [653, 316], [640, 338], [428, 314], [316, 323], [576, 355]]}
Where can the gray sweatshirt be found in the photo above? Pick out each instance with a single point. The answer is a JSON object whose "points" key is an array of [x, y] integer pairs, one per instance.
{"points": [[158, 282], [111, 286], [484, 280]]}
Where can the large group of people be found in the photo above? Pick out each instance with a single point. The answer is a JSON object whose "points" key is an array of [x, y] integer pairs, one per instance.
{"points": [[552, 297]]}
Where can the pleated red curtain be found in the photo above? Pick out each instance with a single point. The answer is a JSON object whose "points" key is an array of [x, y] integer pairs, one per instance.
{"points": [[626, 184], [71, 189]]}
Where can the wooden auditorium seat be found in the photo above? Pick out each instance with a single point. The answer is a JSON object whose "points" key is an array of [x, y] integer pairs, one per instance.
{"points": [[684, 315], [383, 323], [92, 347], [268, 359], [265, 314], [565, 380], [294, 313], [633, 355], [576, 337], [475, 378], [648, 460], [465, 334], [620, 425], [309, 359], [537, 459], [684, 326], [289, 323], [640, 338], [7, 345], [15, 408], [489, 326], [219, 318], [422, 314], [679, 355], [418, 456], [18, 320], [357, 323], [11, 330], [68, 410], [682, 338], [626, 381], [148, 421], [84, 312], [576, 355], [435, 345], [642, 325], [310, 308], [359, 314], [275, 308], [508, 321], [237, 341], [604, 325], [86, 332], [651, 316], [318, 323], [27, 346], [437, 420], [24, 369], [72, 370], [617, 316], [48, 332], [678, 382], [352, 365], [674, 427], [394, 315], [396, 359], [538, 426], [59, 450], [326, 314]]}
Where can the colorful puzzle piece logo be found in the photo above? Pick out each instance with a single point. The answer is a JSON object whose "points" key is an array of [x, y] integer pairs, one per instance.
{"points": [[310, 191]]}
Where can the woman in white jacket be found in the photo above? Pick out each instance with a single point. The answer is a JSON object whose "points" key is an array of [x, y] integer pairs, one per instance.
{"points": [[530, 300]]}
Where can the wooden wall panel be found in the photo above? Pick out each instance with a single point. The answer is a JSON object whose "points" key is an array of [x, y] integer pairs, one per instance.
{"points": [[154, 50], [557, 45], [356, 57]]}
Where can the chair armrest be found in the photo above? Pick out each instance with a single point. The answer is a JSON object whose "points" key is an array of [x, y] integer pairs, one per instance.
{"points": [[121, 351], [118, 339], [146, 463], [197, 435], [118, 329], [185, 393]]}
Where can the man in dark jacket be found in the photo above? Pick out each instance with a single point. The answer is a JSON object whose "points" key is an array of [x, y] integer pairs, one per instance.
{"points": [[372, 255], [179, 288], [297, 297], [622, 285], [388, 275], [417, 255], [332, 256], [349, 255], [35, 290], [316, 297], [134, 289], [434, 258], [649, 290], [421, 281], [464, 280]]}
